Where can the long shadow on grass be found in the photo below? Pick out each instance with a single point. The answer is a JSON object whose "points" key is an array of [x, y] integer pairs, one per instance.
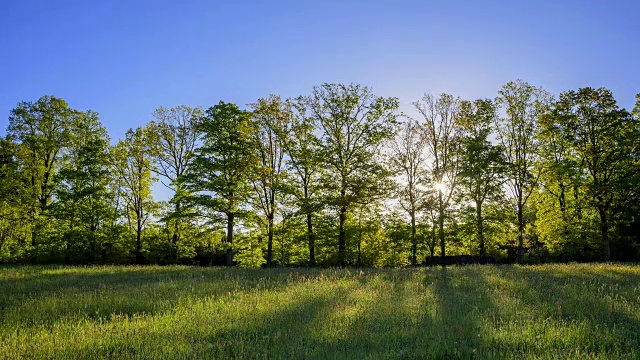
{"points": [[284, 331], [362, 317], [382, 318], [432, 313], [415, 315], [462, 305], [386, 314], [563, 311], [604, 305], [53, 294]]}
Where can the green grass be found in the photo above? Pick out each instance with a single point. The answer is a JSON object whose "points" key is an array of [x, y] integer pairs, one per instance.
{"points": [[554, 311]]}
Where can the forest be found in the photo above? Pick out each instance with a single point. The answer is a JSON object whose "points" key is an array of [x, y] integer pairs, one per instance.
{"points": [[337, 177]]}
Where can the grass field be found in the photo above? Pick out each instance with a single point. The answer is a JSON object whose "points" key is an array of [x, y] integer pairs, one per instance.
{"points": [[555, 311]]}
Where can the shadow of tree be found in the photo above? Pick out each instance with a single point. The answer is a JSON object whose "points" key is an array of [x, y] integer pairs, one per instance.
{"points": [[390, 322], [586, 310], [461, 303], [51, 294], [281, 331], [458, 312]]}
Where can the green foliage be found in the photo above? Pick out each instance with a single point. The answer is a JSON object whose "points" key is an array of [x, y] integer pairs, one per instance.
{"points": [[523, 105], [301, 182], [443, 136], [43, 132], [250, 254], [269, 116], [482, 166], [172, 139], [521, 178], [408, 161], [355, 123], [14, 205], [601, 155], [220, 172], [133, 168], [83, 197]]}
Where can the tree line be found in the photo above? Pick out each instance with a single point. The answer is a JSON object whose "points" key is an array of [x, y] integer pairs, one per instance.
{"points": [[337, 177]]}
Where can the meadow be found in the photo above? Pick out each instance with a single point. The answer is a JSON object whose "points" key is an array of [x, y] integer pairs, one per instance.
{"points": [[579, 311]]}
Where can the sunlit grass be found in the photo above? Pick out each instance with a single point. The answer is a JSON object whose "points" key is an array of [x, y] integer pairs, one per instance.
{"points": [[554, 311]]}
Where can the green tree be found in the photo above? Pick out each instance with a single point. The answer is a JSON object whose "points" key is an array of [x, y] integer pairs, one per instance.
{"points": [[172, 138], [133, 169], [220, 173], [563, 220], [14, 205], [268, 116], [482, 165], [83, 196], [443, 135], [517, 130], [355, 124], [301, 146], [43, 131], [603, 140], [408, 160]]}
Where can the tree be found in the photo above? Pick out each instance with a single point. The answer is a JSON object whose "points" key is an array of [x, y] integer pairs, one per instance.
{"points": [[523, 105], [83, 194], [603, 141], [15, 204], [408, 160], [301, 145], [133, 168], [442, 134], [561, 203], [43, 131], [482, 164], [355, 124], [173, 139], [268, 116], [221, 168]]}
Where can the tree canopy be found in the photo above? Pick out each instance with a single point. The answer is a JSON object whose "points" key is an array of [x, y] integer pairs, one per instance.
{"points": [[335, 177]]}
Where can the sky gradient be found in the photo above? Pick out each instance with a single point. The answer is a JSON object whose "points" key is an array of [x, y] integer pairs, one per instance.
{"points": [[123, 59]]}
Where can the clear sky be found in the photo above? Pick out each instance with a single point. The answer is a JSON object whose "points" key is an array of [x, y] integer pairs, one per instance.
{"points": [[125, 58]]}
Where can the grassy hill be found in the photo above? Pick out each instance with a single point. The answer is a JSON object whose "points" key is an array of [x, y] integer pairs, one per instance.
{"points": [[552, 311]]}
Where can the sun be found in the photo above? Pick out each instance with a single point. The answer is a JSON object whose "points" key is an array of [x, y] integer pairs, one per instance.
{"points": [[441, 187]]}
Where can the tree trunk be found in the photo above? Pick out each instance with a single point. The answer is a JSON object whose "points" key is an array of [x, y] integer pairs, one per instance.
{"points": [[432, 248], [312, 255], [441, 229], [359, 252], [33, 211], [269, 240], [176, 226], [583, 233], [480, 228], [230, 218], [520, 234], [92, 240], [604, 230], [139, 258], [34, 241], [359, 238], [44, 196], [563, 209], [414, 242], [342, 241]]}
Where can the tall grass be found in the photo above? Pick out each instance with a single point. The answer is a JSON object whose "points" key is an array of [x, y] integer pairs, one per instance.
{"points": [[552, 311]]}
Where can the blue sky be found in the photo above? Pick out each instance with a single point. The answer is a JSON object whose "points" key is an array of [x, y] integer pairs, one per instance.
{"points": [[123, 58]]}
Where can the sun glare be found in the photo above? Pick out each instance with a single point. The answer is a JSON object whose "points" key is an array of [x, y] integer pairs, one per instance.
{"points": [[441, 187]]}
